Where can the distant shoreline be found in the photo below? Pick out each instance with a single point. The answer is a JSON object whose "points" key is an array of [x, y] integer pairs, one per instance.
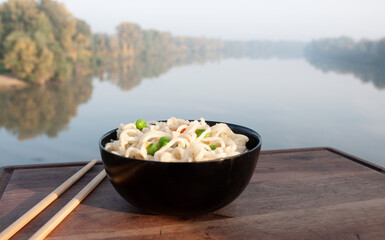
{"points": [[9, 81]]}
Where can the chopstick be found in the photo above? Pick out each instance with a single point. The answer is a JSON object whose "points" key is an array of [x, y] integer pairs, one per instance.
{"points": [[33, 212], [67, 209]]}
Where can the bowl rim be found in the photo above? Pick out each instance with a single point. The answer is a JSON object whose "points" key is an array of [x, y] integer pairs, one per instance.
{"points": [[199, 162]]}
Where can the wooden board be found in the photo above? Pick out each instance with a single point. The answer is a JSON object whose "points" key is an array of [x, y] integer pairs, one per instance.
{"points": [[317, 193]]}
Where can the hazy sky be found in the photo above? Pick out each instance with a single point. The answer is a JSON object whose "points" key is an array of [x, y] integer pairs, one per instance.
{"points": [[240, 19]]}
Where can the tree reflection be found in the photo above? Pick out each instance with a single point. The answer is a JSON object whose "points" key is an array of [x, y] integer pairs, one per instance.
{"points": [[45, 109], [373, 73], [48, 108], [364, 59], [128, 73]]}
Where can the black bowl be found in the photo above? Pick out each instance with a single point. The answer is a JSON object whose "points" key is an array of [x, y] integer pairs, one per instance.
{"points": [[182, 188]]}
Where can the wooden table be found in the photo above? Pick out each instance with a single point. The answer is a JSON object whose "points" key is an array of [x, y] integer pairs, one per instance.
{"points": [[316, 193]]}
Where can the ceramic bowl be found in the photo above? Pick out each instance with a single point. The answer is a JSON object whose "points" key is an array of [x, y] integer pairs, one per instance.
{"points": [[182, 188]]}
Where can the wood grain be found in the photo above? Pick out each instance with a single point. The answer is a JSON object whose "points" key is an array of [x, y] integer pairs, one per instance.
{"points": [[317, 193], [35, 210]]}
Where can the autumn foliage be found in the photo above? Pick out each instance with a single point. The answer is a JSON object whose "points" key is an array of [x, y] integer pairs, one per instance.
{"points": [[42, 41]]}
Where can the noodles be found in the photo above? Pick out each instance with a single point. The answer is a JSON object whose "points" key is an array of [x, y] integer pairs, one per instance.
{"points": [[186, 141]]}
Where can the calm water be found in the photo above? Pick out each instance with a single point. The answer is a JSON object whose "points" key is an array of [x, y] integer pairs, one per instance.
{"points": [[291, 103]]}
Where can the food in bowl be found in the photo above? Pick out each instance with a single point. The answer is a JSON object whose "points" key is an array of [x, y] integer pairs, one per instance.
{"points": [[177, 140], [181, 188]]}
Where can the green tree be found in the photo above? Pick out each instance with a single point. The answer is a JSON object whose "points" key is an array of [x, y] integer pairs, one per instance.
{"points": [[28, 58], [42, 40], [130, 39]]}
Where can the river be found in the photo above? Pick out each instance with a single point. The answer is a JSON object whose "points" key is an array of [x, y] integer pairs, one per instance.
{"points": [[290, 102]]}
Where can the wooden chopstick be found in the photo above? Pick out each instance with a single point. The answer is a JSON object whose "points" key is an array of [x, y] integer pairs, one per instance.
{"points": [[28, 216], [67, 209]]}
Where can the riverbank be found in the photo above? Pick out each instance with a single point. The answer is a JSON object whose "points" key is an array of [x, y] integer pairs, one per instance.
{"points": [[8, 81]]}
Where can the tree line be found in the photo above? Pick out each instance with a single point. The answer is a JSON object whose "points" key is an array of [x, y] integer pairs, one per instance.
{"points": [[42, 41], [365, 59], [348, 50], [263, 49]]}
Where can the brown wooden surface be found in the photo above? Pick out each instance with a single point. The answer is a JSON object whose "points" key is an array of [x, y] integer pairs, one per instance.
{"points": [[317, 193]]}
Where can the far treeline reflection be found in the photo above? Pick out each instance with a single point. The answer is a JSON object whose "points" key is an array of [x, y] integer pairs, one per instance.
{"points": [[58, 56]]}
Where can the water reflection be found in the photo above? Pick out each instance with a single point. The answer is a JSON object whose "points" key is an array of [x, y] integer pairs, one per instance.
{"points": [[364, 59], [46, 109], [373, 73], [127, 73]]}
